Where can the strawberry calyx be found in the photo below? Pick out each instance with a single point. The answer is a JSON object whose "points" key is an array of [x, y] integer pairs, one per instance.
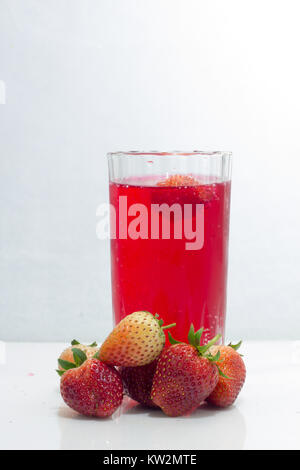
{"points": [[194, 338], [79, 357]]}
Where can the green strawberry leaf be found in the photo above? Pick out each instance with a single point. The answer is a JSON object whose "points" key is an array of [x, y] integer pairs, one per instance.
{"points": [[172, 340], [93, 345], [222, 374], [74, 342], [79, 356], [66, 364], [97, 355], [235, 346], [60, 372], [214, 358], [198, 336], [191, 335]]}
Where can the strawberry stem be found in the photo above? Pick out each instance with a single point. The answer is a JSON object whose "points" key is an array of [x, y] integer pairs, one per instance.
{"points": [[168, 326]]}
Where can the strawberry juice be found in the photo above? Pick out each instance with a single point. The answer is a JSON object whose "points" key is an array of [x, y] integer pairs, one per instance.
{"points": [[162, 276]]}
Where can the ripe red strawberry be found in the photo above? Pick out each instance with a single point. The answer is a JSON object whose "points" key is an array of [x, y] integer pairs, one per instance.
{"points": [[138, 382], [93, 389], [73, 357], [137, 340], [232, 365], [185, 376]]}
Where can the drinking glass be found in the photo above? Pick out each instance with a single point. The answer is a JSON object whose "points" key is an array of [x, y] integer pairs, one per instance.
{"points": [[169, 237]]}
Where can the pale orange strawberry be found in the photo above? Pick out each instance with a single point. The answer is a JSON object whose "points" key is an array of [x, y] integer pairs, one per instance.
{"points": [[137, 340], [67, 359], [202, 191], [179, 180], [233, 375]]}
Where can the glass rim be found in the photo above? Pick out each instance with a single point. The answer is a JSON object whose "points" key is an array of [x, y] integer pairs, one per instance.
{"points": [[173, 153]]}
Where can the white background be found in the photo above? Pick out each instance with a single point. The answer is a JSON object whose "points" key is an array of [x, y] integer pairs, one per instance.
{"points": [[86, 77]]}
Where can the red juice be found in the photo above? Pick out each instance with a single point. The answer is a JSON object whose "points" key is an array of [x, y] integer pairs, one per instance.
{"points": [[161, 275]]}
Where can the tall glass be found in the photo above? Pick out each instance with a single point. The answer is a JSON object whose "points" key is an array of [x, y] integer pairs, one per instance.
{"points": [[169, 237]]}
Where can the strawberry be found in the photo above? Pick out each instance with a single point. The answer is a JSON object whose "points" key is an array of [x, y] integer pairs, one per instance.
{"points": [[179, 180], [185, 375], [137, 340], [232, 365], [75, 355], [93, 389], [202, 190], [138, 382]]}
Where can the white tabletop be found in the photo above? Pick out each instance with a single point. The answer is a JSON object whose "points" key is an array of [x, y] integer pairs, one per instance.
{"points": [[265, 416]]}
